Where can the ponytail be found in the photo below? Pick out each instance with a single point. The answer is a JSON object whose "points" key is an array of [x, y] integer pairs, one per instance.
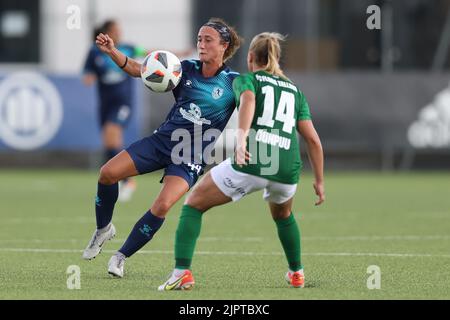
{"points": [[267, 50]]}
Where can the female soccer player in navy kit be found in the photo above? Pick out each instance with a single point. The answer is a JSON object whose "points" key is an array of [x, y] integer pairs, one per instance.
{"points": [[204, 100]]}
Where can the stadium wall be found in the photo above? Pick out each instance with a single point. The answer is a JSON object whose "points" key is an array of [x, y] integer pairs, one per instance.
{"points": [[366, 121], [52, 120], [371, 120]]}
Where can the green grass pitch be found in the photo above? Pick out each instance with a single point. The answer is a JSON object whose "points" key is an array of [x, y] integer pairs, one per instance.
{"points": [[398, 222]]}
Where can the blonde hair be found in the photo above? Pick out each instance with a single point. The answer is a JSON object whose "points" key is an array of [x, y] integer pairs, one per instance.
{"points": [[267, 50]]}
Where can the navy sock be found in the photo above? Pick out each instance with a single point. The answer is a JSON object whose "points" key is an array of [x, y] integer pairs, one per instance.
{"points": [[104, 203], [142, 233]]}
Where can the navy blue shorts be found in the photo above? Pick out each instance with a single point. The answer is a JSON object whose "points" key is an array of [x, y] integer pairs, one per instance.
{"points": [[148, 158], [118, 113]]}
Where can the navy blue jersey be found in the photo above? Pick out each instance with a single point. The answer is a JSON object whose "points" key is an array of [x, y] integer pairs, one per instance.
{"points": [[200, 104], [114, 85]]}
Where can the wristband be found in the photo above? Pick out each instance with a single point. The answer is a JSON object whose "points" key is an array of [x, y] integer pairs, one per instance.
{"points": [[126, 61]]}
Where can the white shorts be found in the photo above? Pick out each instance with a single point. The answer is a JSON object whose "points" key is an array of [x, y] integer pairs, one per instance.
{"points": [[235, 184]]}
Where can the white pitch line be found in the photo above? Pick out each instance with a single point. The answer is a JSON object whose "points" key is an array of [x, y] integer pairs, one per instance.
{"points": [[376, 238], [242, 253], [258, 239], [118, 240]]}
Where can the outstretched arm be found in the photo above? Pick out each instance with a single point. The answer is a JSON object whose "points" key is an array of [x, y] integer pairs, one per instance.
{"points": [[106, 45], [315, 154]]}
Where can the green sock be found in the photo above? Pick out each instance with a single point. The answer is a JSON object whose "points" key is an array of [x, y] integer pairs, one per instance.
{"points": [[186, 236], [289, 235]]}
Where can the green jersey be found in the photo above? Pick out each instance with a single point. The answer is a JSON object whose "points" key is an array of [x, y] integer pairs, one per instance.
{"points": [[272, 140]]}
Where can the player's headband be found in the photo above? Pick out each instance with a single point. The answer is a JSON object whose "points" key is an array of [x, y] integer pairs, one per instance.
{"points": [[221, 29]]}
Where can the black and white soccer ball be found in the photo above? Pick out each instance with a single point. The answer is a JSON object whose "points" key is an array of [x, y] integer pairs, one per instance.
{"points": [[161, 71]]}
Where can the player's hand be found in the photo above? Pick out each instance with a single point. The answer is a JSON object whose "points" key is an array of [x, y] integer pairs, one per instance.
{"points": [[89, 79], [320, 192], [104, 43], [242, 156]]}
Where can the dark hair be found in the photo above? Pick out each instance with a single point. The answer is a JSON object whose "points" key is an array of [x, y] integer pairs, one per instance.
{"points": [[104, 27], [235, 40], [97, 30], [107, 25]]}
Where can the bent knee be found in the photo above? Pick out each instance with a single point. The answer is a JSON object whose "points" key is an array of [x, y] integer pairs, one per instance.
{"points": [[197, 202], [161, 207], [282, 214], [107, 175]]}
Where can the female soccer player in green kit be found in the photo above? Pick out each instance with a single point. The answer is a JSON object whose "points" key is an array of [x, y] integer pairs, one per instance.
{"points": [[270, 107]]}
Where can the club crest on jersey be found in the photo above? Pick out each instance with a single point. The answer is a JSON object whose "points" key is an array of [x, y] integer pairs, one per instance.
{"points": [[194, 115], [217, 92]]}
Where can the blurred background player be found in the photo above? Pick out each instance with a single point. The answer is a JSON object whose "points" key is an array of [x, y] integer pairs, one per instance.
{"points": [[268, 103], [204, 100], [115, 92]]}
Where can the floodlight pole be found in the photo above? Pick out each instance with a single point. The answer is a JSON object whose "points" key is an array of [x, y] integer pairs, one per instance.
{"points": [[312, 50], [442, 49], [387, 37]]}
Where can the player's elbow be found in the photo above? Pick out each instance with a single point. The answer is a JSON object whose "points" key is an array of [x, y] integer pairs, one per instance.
{"points": [[313, 142], [135, 69], [136, 73]]}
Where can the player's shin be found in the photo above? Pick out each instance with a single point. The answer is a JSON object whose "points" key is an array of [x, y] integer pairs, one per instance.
{"points": [[142, 233], [289, 235], [186, 236], [104, 203]]}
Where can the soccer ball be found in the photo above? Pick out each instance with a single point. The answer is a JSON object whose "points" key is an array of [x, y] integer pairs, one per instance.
{"points": [[161, 71]]}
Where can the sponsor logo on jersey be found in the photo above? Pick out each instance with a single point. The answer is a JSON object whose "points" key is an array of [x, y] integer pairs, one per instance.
{"points": [[188, 83], [113, 77], [194, 115], [217, 92]]}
